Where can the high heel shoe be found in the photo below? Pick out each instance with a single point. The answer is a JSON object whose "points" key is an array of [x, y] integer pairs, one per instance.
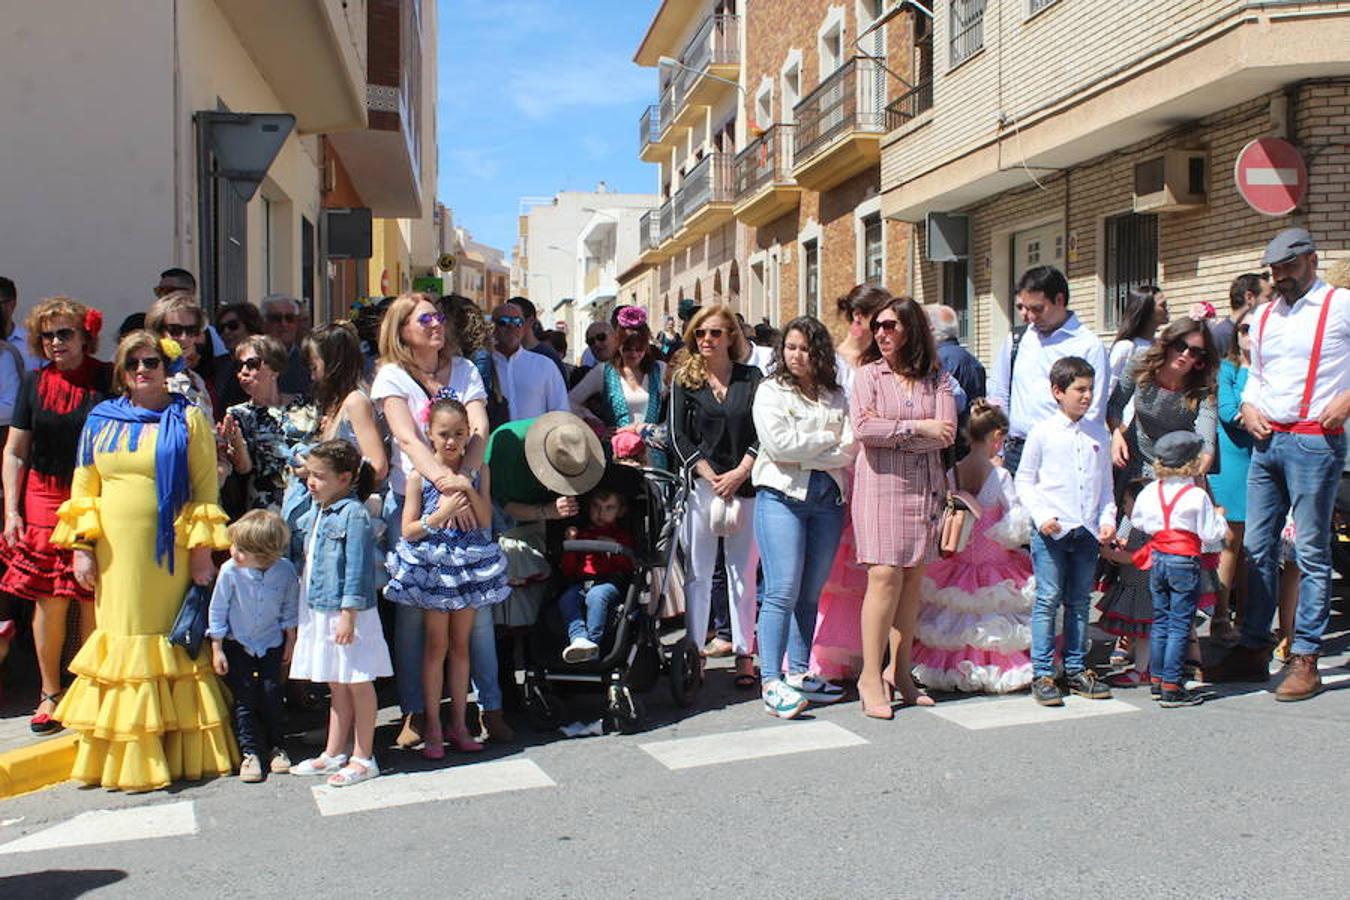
{"points": [[875, 710], [921, 697], [43, 723]]}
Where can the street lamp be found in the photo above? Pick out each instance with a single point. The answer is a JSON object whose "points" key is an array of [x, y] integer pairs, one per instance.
{"points": [[672, 62]]}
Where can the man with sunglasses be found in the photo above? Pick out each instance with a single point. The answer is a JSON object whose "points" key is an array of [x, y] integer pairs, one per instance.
{"points": [[1022, 368], [529, 334], [1294, 405], [531, 383], [281, 320], [599, 344]]}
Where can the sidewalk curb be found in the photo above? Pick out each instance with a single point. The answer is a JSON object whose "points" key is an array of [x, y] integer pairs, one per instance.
{"points": [[37, 766]]}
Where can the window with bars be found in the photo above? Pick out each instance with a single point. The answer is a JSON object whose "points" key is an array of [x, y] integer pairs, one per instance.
{"points": [[955, 292], [966, 29], [811, 278], [873, 250], [1131, 260]]}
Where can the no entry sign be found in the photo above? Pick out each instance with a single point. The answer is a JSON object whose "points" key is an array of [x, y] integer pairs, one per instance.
{"points": [[1271, 176]]}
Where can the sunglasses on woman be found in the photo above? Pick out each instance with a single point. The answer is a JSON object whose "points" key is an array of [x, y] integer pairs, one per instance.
{"points": [[1195, 353], [713, 333], [149, 363], [886, 325], [178, 332], [253, 363], [64, 335], [431, 320], [509, 321]]}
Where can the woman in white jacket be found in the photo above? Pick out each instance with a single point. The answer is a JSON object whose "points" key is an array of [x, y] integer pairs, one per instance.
{"points": [[806, 446]]}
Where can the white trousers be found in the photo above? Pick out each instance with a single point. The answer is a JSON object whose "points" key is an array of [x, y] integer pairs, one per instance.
{"points": [[701, 558]]}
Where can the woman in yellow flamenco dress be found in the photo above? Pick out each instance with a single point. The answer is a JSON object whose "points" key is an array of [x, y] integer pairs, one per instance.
{"points": [[143, 519]]}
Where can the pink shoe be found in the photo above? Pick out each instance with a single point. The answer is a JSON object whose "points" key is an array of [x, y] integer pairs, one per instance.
{"points": [[434, 747], [461, 741]]}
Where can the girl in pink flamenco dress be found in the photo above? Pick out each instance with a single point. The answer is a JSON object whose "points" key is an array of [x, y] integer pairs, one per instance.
{"points": [[974, 631]]}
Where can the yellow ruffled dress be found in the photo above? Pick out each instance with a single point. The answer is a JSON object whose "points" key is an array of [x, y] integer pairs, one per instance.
{"points": [[146, 713]]}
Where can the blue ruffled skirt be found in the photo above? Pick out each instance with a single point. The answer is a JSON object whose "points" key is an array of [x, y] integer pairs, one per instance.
{"points": [[447, 571]]}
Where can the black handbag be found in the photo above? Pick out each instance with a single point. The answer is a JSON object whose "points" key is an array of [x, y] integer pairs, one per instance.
{"points": [[189, 628]]}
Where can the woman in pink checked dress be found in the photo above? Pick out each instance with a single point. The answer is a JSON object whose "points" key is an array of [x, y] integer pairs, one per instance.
{"points": [[904, 414], [836, 653], [974, 628]]}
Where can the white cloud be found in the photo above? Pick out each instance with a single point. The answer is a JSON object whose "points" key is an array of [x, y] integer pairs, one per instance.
{"points": [[543, 87]]}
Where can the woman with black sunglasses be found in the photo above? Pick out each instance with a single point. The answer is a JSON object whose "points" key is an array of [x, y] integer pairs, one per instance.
{"points": [[39, 463]]}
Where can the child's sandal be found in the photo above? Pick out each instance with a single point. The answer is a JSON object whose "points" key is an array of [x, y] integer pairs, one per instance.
{"points": [[323, 764], [348, 775]]}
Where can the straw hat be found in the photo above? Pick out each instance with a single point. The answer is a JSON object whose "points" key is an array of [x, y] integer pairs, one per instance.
{"points": [[564, 453]]}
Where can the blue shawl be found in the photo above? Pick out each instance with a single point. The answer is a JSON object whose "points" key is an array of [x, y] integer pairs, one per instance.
{"points": [[113, 420], [616, 405]]}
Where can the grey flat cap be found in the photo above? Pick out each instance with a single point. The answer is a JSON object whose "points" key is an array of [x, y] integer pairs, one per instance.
{"points": [[1286, 245], [1177, 448]]}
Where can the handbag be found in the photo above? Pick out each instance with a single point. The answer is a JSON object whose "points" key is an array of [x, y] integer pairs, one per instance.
{"points": [[189, 627], [959, 515]]}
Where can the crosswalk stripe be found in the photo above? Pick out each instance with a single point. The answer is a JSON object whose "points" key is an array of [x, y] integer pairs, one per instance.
{"points": [[112, 826], [423, 787], [977, 715], [735, 746]]}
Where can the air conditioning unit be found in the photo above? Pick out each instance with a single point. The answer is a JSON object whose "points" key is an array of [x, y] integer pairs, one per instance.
{"points": [[1174, 181]]}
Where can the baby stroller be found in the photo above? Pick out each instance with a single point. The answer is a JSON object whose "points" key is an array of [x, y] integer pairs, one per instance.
{"points": [[632, 657]]}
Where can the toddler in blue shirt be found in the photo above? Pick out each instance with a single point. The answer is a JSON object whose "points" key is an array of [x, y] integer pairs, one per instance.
{"points": [[254, 609]]}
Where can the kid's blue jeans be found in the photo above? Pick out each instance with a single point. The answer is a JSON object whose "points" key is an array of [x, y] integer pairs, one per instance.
{"points": [[598, 600], [1175, 584], [1064, 567]]}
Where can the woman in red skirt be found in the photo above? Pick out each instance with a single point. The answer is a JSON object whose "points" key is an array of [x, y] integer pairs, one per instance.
{"points": [[39, 460]]}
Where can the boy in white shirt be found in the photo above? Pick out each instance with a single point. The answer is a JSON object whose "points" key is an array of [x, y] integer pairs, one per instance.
{"points": [[1180, 517], [1064, 482]]}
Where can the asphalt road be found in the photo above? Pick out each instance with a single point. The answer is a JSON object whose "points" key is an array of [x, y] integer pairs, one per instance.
{"points": [[981, 797]]}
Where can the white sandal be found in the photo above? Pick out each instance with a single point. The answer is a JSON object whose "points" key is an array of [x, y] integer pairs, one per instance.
{"points": [[323, 764], [348, 775]]}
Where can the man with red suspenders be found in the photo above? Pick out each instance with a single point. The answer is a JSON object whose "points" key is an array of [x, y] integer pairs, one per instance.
{"points": [[1295, 405]]}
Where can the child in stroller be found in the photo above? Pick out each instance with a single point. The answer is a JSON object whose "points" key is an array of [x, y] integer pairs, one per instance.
{"points": [[598, 580]]}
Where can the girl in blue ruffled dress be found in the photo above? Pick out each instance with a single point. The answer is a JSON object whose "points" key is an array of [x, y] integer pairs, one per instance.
{"points": [[447, 565]]}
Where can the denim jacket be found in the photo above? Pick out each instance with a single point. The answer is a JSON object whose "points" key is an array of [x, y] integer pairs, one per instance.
{"points": [[341, 573]]}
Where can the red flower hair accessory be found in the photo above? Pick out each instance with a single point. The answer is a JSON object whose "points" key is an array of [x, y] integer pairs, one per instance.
{"points": [[1202, 311], [93, 322]]}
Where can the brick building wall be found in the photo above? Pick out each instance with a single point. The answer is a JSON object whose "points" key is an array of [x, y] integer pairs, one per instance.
{"points": [[1199, 252]]}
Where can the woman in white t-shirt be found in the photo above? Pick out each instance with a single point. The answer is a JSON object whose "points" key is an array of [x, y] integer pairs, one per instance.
{"points": [[410, 375]]}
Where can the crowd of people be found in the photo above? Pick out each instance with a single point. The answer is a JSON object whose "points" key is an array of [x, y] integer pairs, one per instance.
{"points": [[388, 497]]}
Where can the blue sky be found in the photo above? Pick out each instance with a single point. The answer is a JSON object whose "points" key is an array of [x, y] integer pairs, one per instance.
{"points": [[534, 97]]}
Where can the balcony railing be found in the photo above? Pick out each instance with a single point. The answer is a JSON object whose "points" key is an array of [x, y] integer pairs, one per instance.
{"points": [[666, 229], [716, 43], [649, 126], [710, 181], [909, 105], [766, 160], [849, 100], [649, 229]]}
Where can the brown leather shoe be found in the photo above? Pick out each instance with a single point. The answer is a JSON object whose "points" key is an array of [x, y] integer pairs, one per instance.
{"points": [[495, 728], [411, 735], [1242, 663], [1303, 680]]}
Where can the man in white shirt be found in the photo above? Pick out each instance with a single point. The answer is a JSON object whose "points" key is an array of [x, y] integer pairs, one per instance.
{"points": [[530, 382], [1022, 368], [1295, 405], [1064, 483]]}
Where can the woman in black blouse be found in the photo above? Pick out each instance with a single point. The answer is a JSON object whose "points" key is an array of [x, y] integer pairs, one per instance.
{"points": [[714, 437], [39, 460]]}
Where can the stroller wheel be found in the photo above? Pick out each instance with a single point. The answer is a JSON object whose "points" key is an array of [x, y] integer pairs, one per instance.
{"points": [[625, 709], [686, 673], [544, 709]]}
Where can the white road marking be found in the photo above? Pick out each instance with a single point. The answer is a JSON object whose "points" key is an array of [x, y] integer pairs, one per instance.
{"points": [[734, 746], [424, 787], [978, 715], [112, 826]]}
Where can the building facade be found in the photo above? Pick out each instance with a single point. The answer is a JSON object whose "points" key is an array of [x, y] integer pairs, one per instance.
{"points": [[113, 167], [1113, 155], [768, 135]]}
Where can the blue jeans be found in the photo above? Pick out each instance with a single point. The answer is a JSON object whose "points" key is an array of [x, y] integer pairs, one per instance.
{"points": [[1174, 582], [1064, 568], [409, 627], [798, 540], [483, 660], [589, 622], [1302, 471]]}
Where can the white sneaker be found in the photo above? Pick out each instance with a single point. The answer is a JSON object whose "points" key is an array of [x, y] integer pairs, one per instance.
{"points": [[783, 700], [580, 650], [817, 690]]}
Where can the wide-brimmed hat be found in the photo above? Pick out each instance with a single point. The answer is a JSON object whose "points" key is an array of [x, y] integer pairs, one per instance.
{"points": [[564, 453]]}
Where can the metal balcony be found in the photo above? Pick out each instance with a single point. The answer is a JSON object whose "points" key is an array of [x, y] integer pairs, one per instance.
{"points": [[714, 50], [840, 125], [649, 236], [704, 201], [765, 188], [649, 134], [910, 105]]}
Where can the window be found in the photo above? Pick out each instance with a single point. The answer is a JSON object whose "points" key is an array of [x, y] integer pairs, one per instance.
{"points": [[1035, 6], [966, 29], [831, 46], [873, 247], [956, 292], [811, 278], [792, 90], [1131, 259], [763, 116]]}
